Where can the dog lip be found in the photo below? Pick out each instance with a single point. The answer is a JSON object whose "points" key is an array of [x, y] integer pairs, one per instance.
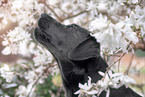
{"points": [[47, 35], [35, 34]]}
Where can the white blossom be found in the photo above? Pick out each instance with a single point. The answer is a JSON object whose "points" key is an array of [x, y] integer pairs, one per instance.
{"points": [[93, 7], [86, 88], [7, 51], [110, 79], [16, 41], [23, 91], [6, 73], [9, 85], [132, 1], [31, 76], [128, 1], [43, 57], [106, 81], [114, 80], [53, 2], [112, 36], [25, 15], [5, 96], [123, 79], [102, 6], [54, 70]]}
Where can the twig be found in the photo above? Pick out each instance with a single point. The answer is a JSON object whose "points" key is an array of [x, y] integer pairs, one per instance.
{"points": [[53, 11], [143, 42], [37, 80], [116, 61], [34, 85], [118, 66], [127, 70], [108, 16], [44, 71], [113, 65], [109, 55], [71, 16], [74, 15]]}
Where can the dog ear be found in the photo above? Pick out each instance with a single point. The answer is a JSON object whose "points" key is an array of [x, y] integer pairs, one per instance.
{"points": [[89, 48]]}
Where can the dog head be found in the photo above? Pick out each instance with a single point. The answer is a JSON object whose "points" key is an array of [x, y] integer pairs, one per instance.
{"points": [[69, 41]]}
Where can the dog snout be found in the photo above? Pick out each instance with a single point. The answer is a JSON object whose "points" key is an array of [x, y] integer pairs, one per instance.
{"points": [[44, 15]]}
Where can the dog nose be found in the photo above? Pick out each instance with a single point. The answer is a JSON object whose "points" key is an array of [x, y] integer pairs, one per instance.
{"points": [[46, 18], [44, 15]]}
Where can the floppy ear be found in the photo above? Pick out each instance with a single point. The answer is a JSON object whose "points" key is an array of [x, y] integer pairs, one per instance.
{"points": [[89, 48]]}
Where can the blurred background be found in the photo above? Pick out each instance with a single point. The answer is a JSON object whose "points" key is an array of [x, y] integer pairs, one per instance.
{"points": [[133, 63]]}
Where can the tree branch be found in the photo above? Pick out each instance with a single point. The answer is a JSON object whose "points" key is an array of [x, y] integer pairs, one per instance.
{"points": [[74, 15], [53, 11], [38, 78], [143, 43], [116, 61], [127, 70]]}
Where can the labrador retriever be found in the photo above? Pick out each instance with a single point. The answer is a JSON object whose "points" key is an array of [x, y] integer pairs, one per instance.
{"points": [[77, 54]]}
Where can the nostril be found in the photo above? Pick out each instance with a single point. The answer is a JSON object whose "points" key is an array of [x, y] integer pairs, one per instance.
{"points": [[48, 40], [42, 36], [43, 24]]}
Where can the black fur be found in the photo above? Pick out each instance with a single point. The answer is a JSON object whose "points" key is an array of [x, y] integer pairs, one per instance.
{"points": [[77, 54]]}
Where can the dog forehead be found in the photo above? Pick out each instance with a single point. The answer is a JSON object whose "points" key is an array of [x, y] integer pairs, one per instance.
{"points": [[74, 31], [60, 35], [53, 27]]}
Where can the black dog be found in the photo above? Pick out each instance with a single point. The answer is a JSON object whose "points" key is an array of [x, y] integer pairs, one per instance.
{"points": [[77, 54]]}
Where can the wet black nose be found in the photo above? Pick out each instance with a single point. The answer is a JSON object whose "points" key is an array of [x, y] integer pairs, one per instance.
{"points": [[44, 15], [44, 22]]}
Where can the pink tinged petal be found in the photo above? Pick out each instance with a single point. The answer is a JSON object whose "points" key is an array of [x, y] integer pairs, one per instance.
{"points": [[108, 93], [89, 83], [5, 43], [78, 92], [129, 80], [92, 92], [80, 85], [110, 73], [117, 74], [107, 78], [101, 73], [6, 51]]}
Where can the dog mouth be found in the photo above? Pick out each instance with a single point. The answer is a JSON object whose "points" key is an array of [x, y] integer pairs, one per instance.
{"points": [[41, 31]]}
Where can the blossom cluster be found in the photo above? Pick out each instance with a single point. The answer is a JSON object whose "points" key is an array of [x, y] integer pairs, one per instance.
{"points": [[116, 24], [6, 73], [16, 41], [113, 36], [109, 80]]}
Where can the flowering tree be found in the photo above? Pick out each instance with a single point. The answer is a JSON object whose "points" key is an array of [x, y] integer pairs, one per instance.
{"points": [[119, 25]]}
